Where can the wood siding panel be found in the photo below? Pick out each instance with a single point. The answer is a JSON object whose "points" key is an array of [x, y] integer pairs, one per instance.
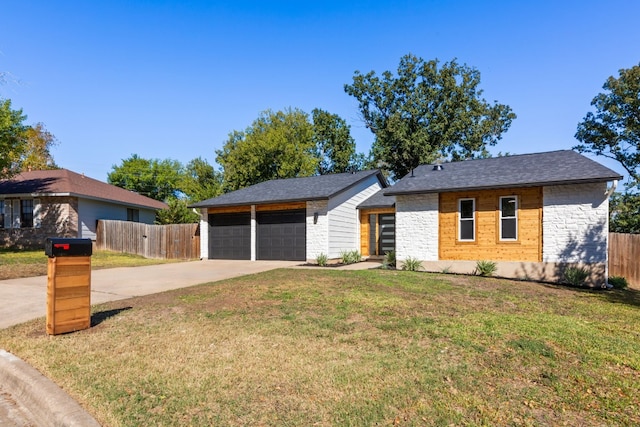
{"points": [[229, 209], [281, 206], [487, 244]]}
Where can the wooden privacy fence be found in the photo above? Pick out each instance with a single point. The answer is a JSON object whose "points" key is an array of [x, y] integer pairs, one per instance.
{"points": [[175, 241], [624, 257]]}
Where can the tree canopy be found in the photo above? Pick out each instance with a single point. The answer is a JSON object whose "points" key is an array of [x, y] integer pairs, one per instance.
{"points": [[276, 145], [334, 146], [427, 112], [37, 152], [200, 181], [12, 138], [613, 130], [155, 178]]}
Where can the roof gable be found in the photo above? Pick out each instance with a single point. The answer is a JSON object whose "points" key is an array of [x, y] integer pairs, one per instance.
{"points": [[525, 170], [292, 189], [63, 181]]}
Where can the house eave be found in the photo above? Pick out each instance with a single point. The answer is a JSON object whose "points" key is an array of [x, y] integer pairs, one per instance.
{"points": [[501, 186]]}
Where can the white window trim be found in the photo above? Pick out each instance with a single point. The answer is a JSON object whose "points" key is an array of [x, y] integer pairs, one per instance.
{"points": [[509, 217], [460, 219]]}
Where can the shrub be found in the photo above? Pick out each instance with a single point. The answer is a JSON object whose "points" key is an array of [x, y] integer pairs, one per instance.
{"points": [[576, 276], [321, 260], [486, 268], [618, 282], [412, 264], [389, 260], [350, 257]]}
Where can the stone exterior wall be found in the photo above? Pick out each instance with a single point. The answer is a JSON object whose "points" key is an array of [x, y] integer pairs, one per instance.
{"points": [[58, 218], [575, 223], [318, 233], [417, 227]]}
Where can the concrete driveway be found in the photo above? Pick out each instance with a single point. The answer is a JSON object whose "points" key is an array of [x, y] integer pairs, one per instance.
{"points": [[26, 299]]}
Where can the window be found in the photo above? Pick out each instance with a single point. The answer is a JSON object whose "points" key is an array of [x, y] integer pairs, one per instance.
{"points": [[467, 219], [26, 213], [509, 218], [133, 215], [1, 213]]}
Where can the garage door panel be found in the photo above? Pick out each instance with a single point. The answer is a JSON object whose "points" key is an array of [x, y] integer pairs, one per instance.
{"points": [[281, 235], [230, 236]]}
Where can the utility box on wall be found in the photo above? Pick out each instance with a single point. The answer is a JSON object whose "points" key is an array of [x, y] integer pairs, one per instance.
{"points": [[68, 285]]}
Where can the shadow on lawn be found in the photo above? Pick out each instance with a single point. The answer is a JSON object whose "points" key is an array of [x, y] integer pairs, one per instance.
{"points": [[627, 296], [101, 316]]}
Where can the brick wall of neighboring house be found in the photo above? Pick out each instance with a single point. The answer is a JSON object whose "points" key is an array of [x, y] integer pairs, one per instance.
{"points": [[58, 218]]}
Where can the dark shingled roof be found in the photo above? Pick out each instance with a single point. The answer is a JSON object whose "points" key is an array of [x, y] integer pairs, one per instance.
{"points": [[292, 189], [378, 200], [66, 182], [525, 170]]}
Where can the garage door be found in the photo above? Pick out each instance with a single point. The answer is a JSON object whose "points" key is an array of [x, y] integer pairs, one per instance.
{"points": [[281, 235], [230, 236]]}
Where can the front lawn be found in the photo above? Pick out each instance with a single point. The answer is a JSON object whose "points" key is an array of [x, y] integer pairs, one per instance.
{"points": [[28, 263], [352, 348]]}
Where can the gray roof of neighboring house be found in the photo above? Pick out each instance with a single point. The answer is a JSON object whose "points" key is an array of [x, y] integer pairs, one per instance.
{"points": [[525, 170], [292, 189], [378, 200], [59, 182]]}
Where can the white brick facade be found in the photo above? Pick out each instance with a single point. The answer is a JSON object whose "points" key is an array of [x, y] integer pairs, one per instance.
{"points": [[204, 234], [417, 227], [318, 233], [575, 223]]}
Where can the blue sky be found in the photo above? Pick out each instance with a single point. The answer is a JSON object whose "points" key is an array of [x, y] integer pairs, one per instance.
{"points": [[171, 79]]}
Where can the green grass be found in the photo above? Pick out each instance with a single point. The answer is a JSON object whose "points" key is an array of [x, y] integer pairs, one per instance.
{"points": [[27, 263], [353, 348]]}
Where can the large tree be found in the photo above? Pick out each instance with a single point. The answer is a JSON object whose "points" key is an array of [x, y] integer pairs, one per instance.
{"points": [[200, 180], [12, 139], [613, 130], [276, 145], [427, 112], [37, 152], [335, 148], [158, 179]]}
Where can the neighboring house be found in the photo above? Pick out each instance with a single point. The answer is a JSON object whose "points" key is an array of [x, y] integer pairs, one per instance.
{"points": [[533, 214], [61, 203], [287, 219]]}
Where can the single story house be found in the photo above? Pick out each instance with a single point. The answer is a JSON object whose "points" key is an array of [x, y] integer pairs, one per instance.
{"points": [[532, 214], [287, 219], [61, 203]]}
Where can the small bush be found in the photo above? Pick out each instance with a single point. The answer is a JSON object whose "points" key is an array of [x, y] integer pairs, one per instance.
{"points": [[576, 276], [321, 260], [412, 264], [486, 268], [618, 282], [389, 260], [350, 257], [446, 270]]}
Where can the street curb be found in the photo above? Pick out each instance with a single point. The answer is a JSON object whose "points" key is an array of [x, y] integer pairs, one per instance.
{"points": [[43, 400]]}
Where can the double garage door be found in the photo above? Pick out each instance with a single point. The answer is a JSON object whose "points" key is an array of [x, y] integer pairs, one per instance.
{"points": [[280, 235]]}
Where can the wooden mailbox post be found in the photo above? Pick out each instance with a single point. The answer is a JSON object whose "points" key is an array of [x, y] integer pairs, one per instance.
{"points": [[68, 285]]}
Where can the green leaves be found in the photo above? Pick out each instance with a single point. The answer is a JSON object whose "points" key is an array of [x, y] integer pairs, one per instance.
{"points": [[427, 112], [276, 145], [12, 138], [613, 130]]}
